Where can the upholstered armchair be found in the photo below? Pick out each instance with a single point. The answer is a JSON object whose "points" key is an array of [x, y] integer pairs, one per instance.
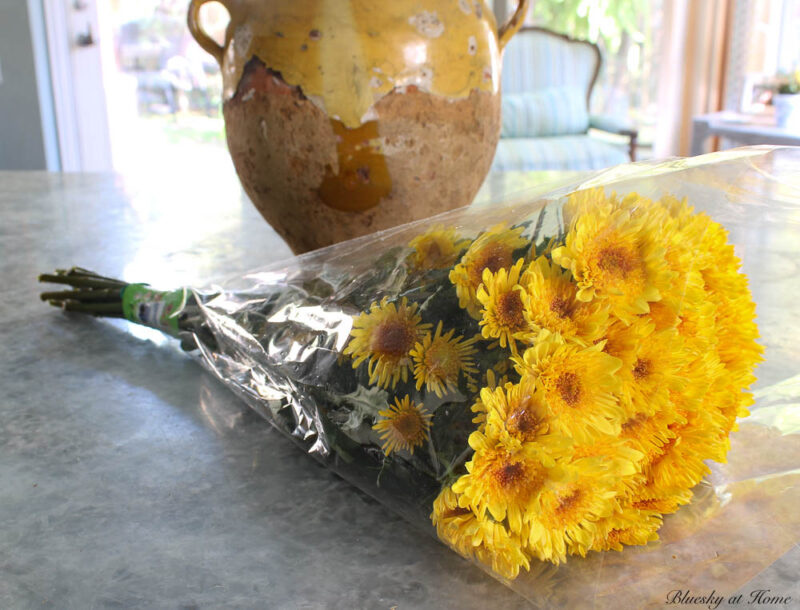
{"points": [[547, 83]]}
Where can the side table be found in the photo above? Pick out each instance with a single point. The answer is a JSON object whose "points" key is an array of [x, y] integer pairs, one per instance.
{"points": [[744, 129]]}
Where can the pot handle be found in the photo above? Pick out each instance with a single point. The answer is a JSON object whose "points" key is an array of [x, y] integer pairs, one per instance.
{"points": [[199, 34], [512, 26]]}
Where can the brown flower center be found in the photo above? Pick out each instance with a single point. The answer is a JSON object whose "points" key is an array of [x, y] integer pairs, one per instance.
{"points": [[517, 479], [508, 475], [435, 255], [560, 307], [456, 512], [661, 315], [524, 420], [441, 360], [408, 426], [493, 257], [642, 368], [568, 502], [632, 425], [510, 310], [659, 505], [616, 260], [569, 387], [394, 338], [613, 537], [615, 345], [434, 250]]}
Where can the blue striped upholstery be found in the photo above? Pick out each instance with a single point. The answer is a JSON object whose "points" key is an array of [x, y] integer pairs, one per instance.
{"points": [[572, 152], [535, 60], [547, 112], [535, 63]]}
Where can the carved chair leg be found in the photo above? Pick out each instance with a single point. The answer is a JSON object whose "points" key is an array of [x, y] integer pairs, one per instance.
{"points": [[632, 146]]}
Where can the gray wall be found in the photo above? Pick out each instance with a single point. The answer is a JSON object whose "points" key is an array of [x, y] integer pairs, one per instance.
{"points": [[21, 137]]}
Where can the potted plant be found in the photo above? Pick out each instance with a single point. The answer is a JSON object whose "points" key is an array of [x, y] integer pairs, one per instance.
{"points": [[787, 102]]}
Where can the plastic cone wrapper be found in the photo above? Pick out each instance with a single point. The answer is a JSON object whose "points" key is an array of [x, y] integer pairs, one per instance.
{"points": [[591, 394]]}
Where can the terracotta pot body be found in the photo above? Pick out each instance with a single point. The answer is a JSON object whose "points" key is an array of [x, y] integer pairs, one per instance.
{"points": [[344, 117]]}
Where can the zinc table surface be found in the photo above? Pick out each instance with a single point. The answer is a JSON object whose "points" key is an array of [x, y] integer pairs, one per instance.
{"points": [[131, 478]]}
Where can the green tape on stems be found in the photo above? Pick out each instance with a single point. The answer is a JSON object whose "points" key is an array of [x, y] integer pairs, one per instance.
{"points": [[143, 305]]}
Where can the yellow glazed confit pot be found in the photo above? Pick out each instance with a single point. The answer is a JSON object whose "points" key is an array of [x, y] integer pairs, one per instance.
{"points": [[345, 117]]}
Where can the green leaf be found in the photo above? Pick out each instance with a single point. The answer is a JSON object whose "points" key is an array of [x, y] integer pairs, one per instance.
{"points": [[364, 403]]}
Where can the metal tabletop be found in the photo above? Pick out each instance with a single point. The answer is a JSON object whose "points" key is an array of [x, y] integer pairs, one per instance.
{"points": [[131, 478]]}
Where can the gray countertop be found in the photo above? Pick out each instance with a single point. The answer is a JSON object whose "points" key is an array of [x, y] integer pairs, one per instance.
{"points": [[131, 478]]}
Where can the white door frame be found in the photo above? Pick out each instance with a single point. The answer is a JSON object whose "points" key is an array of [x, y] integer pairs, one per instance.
{"points": [[79, 97], [44, 85], [57, 29]]}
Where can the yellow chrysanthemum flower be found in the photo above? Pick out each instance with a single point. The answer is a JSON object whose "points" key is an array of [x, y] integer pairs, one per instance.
{"points": [[584, 201], [688, 310], [439, 248], [517, 410], [681, 464], [454, 524], [736, 333], [614, 256], [500, 549], [385, 336], [618, 457], [493, 250], [655, 372], [680, 237], [439, 359], [614, 452], [663, 314], [503, 314], [404, 426], [726, 288], [620, 340], [677, 233], [702, 373], [649, 434], [486, 540], [551, 303], [650, 500], [712, 251], [480, 414], [505, 477], [568, 513], [743, 401], [686, 298], [713, 423], [579, 386], [725, 401], [494, 379], [626, 526], [640, 351]]}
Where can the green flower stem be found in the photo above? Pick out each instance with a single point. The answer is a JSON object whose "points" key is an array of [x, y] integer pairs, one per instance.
{"points": [[91, 294], [81, 281], [113, 310], [450, 473], [100, 294]]}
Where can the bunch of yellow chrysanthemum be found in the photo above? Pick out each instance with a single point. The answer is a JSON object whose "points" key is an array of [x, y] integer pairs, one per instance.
{"points": [[633, 342]]}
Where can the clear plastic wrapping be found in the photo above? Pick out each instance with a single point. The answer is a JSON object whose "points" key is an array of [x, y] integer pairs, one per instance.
{"points": [[297, 341]]}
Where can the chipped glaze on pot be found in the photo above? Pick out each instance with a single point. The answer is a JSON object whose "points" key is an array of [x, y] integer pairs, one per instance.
{"points": [[381, 113]]}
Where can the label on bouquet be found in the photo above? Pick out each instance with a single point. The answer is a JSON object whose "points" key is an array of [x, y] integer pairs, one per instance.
{"points": [[153, 308]]}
